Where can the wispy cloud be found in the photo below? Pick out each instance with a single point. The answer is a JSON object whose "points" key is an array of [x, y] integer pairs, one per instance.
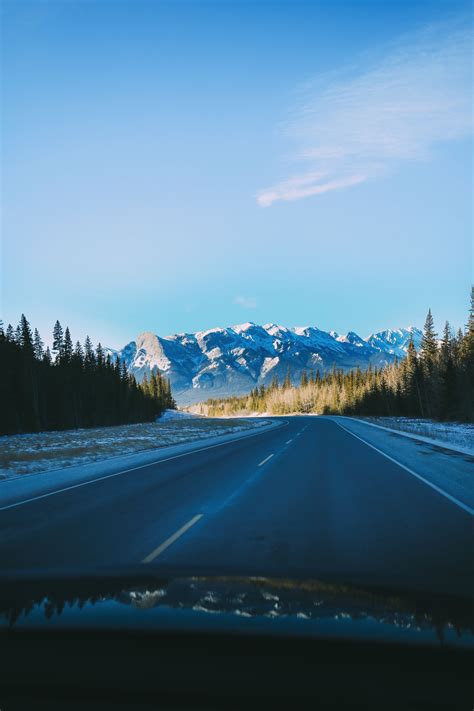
{"points": [[248, 302], [352, 129]]}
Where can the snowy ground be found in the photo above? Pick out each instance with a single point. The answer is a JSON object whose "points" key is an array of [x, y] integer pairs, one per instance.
{"points": [[29, 453], [451, 434]]}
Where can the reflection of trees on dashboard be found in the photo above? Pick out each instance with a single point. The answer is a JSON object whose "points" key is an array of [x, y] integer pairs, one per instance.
{"points": [[250, 598], [437, 382]]}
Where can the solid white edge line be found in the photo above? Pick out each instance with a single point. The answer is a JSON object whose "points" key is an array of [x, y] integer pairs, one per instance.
{"points": [[412, 435], [265, 460], [126, 471], [453, 500], [166, 544]]}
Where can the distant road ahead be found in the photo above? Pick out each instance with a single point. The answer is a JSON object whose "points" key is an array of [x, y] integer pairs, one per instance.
{"points": [[308, 499]]}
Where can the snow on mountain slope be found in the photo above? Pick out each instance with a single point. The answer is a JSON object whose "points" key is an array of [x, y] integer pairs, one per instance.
{"points": [[227, 361], [395, 342], [352, 338]]}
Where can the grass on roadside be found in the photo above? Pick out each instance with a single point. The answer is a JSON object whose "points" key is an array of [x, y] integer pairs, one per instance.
{"points": [[28, 453]]}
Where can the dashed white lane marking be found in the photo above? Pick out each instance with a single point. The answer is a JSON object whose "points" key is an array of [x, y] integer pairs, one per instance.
{"points": [[461, 505], [132, 469], [289, 441], [265, 460], [169, 541]]}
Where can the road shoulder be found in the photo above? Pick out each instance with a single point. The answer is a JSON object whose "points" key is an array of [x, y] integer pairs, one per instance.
{"points": [[445, 468], [42, 483]]}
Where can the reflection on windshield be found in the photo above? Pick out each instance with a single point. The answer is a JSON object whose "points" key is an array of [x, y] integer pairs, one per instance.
{"points": [[246, 598]]}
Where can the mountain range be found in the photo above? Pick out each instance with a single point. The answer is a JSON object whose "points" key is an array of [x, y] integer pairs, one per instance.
{"points": [[231, 361]]}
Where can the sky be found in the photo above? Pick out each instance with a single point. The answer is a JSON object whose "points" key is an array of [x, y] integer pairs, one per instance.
{"points": [[176, 166]]}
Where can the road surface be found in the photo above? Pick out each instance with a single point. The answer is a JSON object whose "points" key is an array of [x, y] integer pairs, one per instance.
{"points": [[314, 497]]}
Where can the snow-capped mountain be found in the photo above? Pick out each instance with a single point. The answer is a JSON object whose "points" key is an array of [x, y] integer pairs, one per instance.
{"points": [[228, 361], [395, 342]]}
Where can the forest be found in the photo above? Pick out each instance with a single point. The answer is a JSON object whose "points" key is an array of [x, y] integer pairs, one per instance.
{"points": [[436, 383], [72, 386]]}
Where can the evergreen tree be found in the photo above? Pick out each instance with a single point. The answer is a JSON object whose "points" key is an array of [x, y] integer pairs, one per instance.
{"points": [[467, 343], [26, 337], [58, 337], [78, 352], [124, 372], [448, 380], [466, 363], [37, 394], [99, 353], [38, 345], [410, 381], [429, 344], [439, 385], [89, 355], [446, 344], [67, 349], [429, 377]]}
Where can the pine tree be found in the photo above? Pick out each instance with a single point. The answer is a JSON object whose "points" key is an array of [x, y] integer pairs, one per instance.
{"points": [[38, 345], [429, 376], [89, 355], [99, 353], [448, 384], [429, 345], [67, 349], [78, 350], [466, 375], [58, 337], [467, 347], [446, 344], [26, 337], [145, 385], [304, 379], [124, 372], [10, 334], [37, 394]]}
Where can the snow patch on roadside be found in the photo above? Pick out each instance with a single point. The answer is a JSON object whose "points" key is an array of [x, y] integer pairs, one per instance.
{"points": [[456, 435], [25, 454], [176, 415]]}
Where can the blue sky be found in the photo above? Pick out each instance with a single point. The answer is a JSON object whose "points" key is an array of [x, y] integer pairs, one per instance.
{"points": [[181, 165]]}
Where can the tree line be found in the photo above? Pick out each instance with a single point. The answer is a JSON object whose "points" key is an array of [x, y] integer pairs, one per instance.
{"points": [[70, 386], [436, 383]]}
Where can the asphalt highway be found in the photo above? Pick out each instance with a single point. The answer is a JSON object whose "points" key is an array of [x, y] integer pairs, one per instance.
{"points": [[306, 499]]}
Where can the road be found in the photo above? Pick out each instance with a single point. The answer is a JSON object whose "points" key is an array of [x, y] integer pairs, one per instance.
{"points": [[305, 499]]}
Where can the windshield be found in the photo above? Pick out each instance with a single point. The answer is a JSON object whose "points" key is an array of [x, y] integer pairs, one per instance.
{"points": [[237, 335]]}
